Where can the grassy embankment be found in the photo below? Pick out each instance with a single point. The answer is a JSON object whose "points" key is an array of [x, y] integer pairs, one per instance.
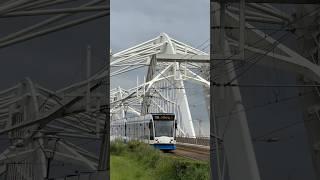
{"points": [[138, 161]]}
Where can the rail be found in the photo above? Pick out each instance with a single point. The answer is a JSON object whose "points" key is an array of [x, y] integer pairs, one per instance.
{"points": [[192, 151]]}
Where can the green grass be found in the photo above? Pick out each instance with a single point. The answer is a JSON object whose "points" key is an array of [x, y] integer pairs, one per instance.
{"points": [[138, 161], [124, 168]]}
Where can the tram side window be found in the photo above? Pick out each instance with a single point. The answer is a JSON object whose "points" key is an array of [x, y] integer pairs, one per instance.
{"points": [[151, 130]]}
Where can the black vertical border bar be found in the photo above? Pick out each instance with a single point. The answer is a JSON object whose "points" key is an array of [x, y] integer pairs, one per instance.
{"points": [[211, 94], [104, 157]]}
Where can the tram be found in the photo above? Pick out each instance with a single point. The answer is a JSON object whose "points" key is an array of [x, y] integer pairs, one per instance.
{"points": [[156, 129]]}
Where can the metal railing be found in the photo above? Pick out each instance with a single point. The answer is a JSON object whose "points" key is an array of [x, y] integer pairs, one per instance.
{"points": [[204, 141]]}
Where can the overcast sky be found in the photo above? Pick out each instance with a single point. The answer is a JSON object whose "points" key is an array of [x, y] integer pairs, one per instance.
{"points": [[136, 21], [133, 22], [57, 60]]}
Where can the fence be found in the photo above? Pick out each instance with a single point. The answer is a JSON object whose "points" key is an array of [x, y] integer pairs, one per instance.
{"points": [[204, 141]]}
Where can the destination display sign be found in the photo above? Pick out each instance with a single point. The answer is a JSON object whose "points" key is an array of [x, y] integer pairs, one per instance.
{"points": [[163, 117]]}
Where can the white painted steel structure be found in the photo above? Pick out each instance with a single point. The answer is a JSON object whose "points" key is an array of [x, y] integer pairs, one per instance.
{"points": [[26, 114], [35, 121], [170, 63], [239, 30]]}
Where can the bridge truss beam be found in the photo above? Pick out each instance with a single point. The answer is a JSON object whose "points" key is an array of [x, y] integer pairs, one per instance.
{"points": [[229, 142], [169, 65]]}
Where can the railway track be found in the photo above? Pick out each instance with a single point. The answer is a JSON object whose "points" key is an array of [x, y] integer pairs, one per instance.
{"points": [[194, 152]]}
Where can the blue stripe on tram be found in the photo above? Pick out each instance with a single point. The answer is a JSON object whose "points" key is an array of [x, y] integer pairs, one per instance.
{"points": [[165, 146]]}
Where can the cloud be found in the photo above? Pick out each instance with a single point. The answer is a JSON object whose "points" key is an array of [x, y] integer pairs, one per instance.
{"points": [[133, 22]]}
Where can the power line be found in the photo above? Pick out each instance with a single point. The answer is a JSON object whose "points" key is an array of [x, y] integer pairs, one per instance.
{"points": [[251, 59], [275, 101], [292, 31], [258, 60], [310, 27], [228, 59], [282, 128], [265, 85]]}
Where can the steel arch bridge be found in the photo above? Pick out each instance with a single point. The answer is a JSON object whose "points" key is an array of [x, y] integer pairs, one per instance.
{"points": [[37, 120], [249, 33], [170, 63]]}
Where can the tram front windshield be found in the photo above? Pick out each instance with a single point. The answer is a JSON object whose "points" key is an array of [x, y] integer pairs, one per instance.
{"points": [[163, 128]]}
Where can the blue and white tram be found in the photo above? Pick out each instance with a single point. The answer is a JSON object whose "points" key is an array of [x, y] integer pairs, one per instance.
{"points": [[157, 129]]}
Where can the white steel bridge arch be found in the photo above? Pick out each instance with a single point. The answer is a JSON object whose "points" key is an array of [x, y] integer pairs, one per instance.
{"points": [[169, 64]]}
